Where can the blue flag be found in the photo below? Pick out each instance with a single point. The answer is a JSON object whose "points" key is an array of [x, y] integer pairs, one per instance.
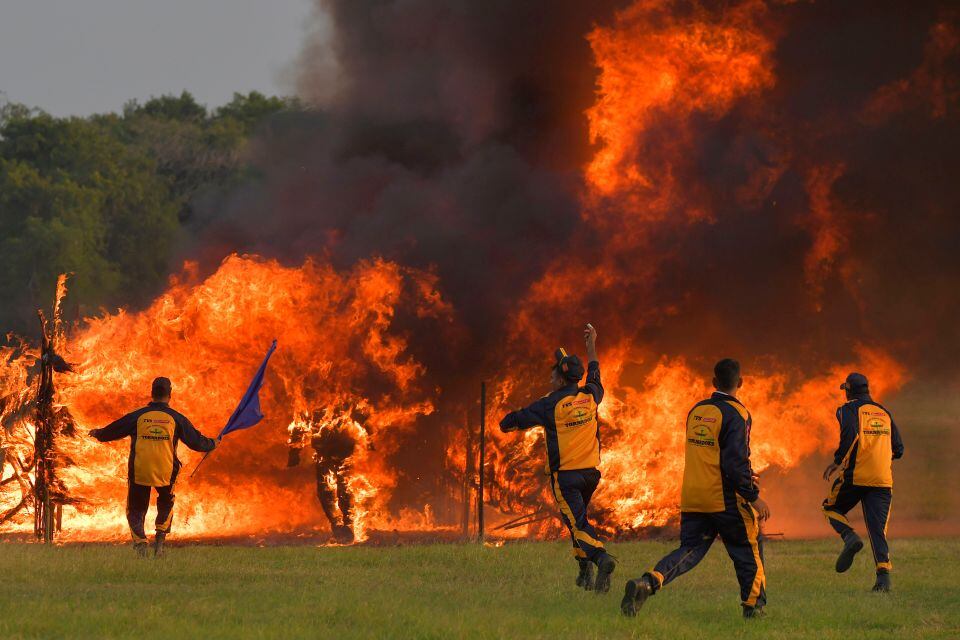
{"points": [[248, 412]]}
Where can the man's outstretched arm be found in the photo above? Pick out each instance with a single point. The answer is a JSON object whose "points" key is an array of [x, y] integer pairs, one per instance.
{"points": [[117, 429], [193, 438], [533, 416]]}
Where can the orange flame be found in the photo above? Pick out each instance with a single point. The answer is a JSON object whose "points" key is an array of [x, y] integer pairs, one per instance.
{"points": [[336, 343], [682, 67], [659, 70]]}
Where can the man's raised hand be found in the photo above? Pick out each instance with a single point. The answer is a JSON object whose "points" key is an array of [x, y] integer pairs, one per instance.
{"points": [[590, 338]]}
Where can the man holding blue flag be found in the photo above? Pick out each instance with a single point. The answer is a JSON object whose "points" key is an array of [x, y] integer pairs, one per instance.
{"points": [[154, 432]]}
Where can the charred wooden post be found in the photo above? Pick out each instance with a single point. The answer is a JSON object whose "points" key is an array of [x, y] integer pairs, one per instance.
{"points": [[49, 494], [43, 520], [480, 465]]}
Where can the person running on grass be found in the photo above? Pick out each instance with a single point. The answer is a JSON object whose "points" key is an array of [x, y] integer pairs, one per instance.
{"points": [[719, 497], [869, 443], [568, 415], [154, 432]]}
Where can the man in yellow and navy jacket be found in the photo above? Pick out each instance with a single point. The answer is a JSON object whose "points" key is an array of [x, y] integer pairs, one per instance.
{"points": [[719, 497], [154, 432], [568, 416], [869, 442]]}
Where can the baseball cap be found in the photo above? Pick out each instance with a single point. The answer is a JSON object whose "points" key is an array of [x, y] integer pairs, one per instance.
{"points": [[855, 382], [569, 366]]}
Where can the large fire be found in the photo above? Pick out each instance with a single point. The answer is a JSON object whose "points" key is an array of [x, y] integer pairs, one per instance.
{"points": [[346, 337], [336, 346]]}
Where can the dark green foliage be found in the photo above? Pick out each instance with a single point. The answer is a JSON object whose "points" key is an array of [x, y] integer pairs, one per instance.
{"points": [[105, 197], [252, 109]]}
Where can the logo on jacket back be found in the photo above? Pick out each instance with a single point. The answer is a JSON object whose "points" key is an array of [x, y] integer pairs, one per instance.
{"points": [[156, 433], [701, 437], [877, 427]]}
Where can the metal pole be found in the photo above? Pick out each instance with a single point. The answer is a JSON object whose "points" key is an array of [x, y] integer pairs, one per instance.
{"points": [[483, 429], [467, 479]]}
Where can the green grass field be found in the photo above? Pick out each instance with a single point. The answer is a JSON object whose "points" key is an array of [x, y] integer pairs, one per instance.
{"points": [[451, 591]]}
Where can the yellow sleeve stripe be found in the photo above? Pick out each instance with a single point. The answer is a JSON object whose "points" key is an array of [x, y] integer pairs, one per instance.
{"points": [[742, 410]]}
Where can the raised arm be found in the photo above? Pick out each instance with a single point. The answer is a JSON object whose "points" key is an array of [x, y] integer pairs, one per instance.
{"points": [[593, 385], [590, 338], [117, 429]]}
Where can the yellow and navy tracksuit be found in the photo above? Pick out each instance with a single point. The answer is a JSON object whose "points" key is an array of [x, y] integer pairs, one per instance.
{"points": [[154, 432], [716, 497], [869, 442], [572, 433]]}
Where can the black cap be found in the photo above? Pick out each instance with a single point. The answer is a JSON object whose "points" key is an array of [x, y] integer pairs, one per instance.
{"points": [[569, 367], [855, 382]]}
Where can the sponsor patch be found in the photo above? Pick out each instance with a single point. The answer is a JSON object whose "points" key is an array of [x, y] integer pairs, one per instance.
{"points": [[701, 437]]}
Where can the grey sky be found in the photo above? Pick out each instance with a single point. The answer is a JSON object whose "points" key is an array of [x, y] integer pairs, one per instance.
{"points": [[76, 57]]}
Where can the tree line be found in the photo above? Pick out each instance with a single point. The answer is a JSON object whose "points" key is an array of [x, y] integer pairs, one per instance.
{"points": [[109, 196]]}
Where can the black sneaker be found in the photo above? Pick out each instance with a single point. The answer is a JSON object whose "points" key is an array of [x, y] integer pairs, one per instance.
{"points": [[634, 595], [604, 570], [158, 550], [585, 577], [141, 549], [852, 545], [882, 585], [752, 613]]}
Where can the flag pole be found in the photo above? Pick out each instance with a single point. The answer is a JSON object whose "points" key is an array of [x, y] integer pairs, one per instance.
{"points": [[201, 461], [247, 413]]}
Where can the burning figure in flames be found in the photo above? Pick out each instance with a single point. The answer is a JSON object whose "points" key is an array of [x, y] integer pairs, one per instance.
{"points": [[568, 416], [333, 434]]}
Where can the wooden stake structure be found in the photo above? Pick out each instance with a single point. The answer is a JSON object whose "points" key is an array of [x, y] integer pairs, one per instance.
{"points": [[480, 465], [48, 494], [43, 522]]}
